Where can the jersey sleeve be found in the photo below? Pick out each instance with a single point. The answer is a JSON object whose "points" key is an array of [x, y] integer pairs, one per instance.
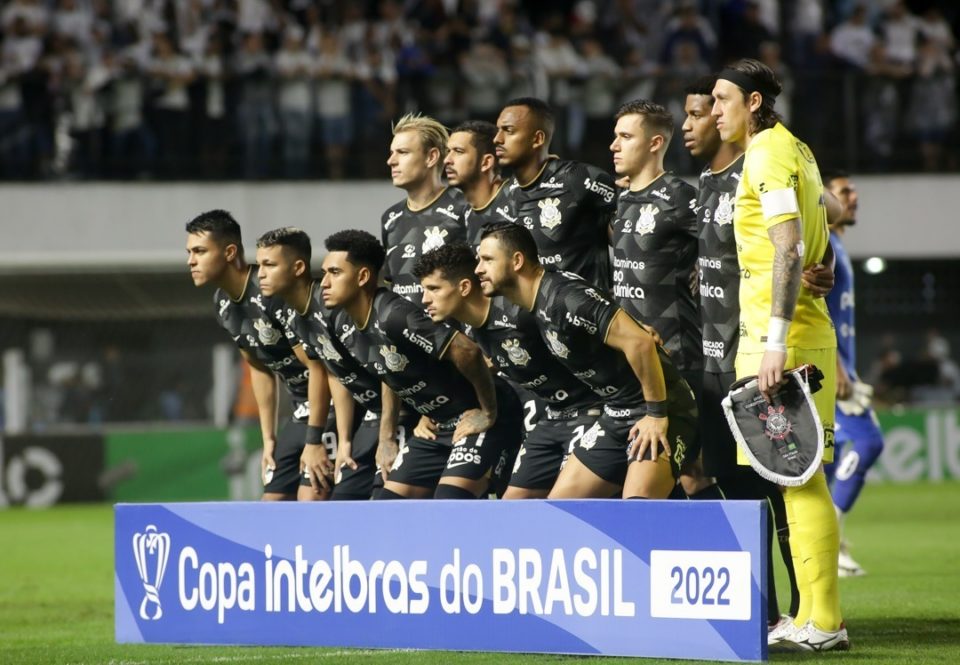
{"points": [[589, 310], [385, 269], [602, 194], [413, 331], [775, 177], [687, 210]]}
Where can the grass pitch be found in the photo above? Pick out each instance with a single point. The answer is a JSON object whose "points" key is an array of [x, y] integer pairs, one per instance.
{"points": [[56, 592]]}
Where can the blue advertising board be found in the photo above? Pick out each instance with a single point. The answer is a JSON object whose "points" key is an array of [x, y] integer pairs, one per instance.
{"points": [[668, 579]]}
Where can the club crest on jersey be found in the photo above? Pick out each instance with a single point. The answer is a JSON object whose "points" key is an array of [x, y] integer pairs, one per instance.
{"points": [[723, 215], [550, 216], [267, 333], [396, 361], [559, 348], [648, 219], [517, 354], [433, 237], [778, 426], [328, 350]]}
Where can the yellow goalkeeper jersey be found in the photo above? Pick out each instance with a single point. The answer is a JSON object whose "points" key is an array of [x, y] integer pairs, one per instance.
{"points": [[780, 181]]}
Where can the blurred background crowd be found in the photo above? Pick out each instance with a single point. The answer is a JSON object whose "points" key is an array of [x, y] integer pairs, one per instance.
{"points": [[256, 89]]}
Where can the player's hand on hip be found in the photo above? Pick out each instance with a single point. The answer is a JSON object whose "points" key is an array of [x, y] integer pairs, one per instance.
{"points": [[344, 458], [770, 376], [317, 463], [647, 436], [387, 452], [426, 429], [818, 279], [473, 421]]}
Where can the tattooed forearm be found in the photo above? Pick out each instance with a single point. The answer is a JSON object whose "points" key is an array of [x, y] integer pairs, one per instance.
{"points": [[787, 239]]}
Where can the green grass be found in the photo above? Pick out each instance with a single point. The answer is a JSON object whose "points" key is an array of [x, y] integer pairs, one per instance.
{"points": [[56, 592]]}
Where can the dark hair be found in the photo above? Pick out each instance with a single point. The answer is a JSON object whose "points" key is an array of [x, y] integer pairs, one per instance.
{"points": [[221, 226], [702, 86], [290, 238], [764, 117], [481, 136], [541, 112], [361, 247], [654, 115], [513, 237], [454, 261], [829, 176]]}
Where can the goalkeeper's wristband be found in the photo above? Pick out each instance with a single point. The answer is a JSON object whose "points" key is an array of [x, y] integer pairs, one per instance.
{"points": [[314, 435], [777, 334]]}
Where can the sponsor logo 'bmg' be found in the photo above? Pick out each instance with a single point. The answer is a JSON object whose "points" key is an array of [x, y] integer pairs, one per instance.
{"points": [[151, 550]]}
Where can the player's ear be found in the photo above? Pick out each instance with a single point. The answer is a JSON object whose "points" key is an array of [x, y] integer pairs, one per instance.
{"points": [[299, 267], [363, 276], [466, 286], [656, 143], [539, 138], [433, 157], [488, 163], [754, 101], [230, 252]]}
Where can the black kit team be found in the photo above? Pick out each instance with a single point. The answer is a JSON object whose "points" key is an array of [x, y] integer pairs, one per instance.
{"points": [[471, 423], [511, 340], [255, 323]]}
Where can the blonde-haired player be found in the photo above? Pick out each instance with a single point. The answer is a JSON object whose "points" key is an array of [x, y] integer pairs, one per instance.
{"points": [[432, 214]]}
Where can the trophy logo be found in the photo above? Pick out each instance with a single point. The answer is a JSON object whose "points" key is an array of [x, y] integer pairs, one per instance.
{"points": [[151, 549]]}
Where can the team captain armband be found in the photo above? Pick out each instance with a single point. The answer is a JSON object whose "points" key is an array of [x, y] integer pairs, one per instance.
{"points": [[779, 202]]}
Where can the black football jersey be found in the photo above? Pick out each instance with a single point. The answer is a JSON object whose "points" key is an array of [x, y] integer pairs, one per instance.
{"points": [[719, 270], [654, 239], [257, 326], [499, 209], [511, 339], [311, 328], [409, 234], [574, 317], [403, 347], [568, 208]]}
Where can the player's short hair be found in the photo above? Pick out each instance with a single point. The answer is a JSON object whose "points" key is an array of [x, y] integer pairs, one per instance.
{"points": [[432, 133], [513, 237], [655, 116], [765, 82], [481, 136], [702, 86], [291, 239], [454, 261], [830, 175], [541, 112], [220, 225], [361, 247]]}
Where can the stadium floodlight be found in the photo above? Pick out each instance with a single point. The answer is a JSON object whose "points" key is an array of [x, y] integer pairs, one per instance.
{"points": [[874, 265]]}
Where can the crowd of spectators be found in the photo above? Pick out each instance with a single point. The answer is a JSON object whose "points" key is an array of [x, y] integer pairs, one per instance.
{"points": [[305, 88]]}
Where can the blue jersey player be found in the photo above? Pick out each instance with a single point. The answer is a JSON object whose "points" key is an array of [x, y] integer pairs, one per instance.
{"points": [[858, 437]]}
